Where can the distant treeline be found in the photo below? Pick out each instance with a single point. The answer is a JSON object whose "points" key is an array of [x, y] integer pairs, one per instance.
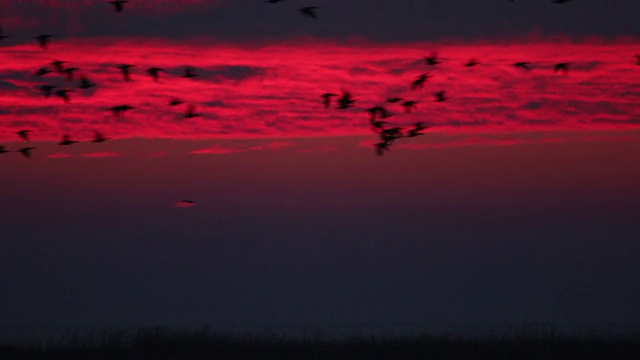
{"points": [[161, 343]]}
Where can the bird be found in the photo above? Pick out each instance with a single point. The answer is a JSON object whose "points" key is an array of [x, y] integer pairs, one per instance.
{"points": [[433, 59], [522, 65], [69, 72], [46, 89], [416, 130], [43, 40], [326, 99], [64, 94], [472, 62], [26, 152], [309, 11], [441, 96], [42, 71], [175, 102], [409, 106], [420, 80], [125, 69], [191, 112], [120, 109], [345, 101], [3, 150], [564, 67], [24, 134], [98, 137], [59, 65], [85, 83], [189, 72], [118, 5], [154, 72], [66, 140]]}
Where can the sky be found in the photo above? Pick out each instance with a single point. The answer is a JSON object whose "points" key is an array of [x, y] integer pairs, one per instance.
{"points": [[518, 203]]}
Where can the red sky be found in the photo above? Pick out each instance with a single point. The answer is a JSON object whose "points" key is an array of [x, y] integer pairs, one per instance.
{"points": [[272, 90]]}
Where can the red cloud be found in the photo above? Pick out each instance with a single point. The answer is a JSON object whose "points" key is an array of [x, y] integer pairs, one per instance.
{"points": [[240, 95]]}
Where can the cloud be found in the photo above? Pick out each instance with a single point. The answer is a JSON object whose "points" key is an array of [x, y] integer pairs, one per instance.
{"points": [[240, 95]]}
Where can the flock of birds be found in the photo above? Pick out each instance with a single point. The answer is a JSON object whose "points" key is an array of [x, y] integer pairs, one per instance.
{"points": [[378, 114]]}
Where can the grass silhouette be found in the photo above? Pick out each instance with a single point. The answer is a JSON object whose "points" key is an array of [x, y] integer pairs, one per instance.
{"points": [[161, 343]]}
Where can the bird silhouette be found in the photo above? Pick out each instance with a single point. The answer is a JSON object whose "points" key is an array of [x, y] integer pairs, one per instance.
{"points": [[26, 152], [66, 140], [416, 130], [522, 65], [175, 102], [191, 112], [441, 96], [64, 95], [118, 5], [59, 65], [98, 137], [419, 81], [42, 71], [120, 109], [126, 72], [69, 72], [43, 40], [154, 72], [46, 89], [85, 83], [309, 11], [326, 99], [472, 62], [345, 101], [564, 67], [189, 72], [24, 134], [433, 59], [409, 106]]}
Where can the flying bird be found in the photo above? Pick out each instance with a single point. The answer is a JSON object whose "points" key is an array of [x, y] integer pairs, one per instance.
{"points": [[564, 67], [26, 152], [309, 11], [409, 106], [191, 112], [69, 72], [441, 96], [416, 130], [24, 134], [433, 59], [66, 140], [120, 109], [59, 65], [43, 40], [420, 80], [326, 99], [125, 69], [522, 65], [154, 72], [64, 95], [98, 137], [118, 5], [85, 83], [175, 102], [46, 89], [472, 62], [345, 101]]}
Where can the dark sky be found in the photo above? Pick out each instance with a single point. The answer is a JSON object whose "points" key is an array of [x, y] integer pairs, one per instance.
{"points": [[518, 204]]}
